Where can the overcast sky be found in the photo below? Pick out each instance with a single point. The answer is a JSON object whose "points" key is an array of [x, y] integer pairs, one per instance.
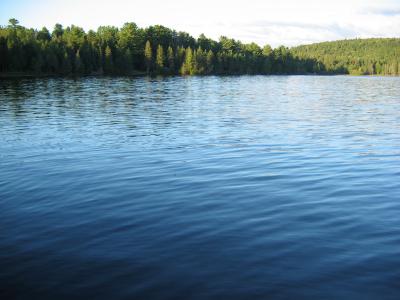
{"points": [[278, 22]]}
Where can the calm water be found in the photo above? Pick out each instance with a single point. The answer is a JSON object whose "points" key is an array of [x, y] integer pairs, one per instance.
{"points": [[200, 188]]}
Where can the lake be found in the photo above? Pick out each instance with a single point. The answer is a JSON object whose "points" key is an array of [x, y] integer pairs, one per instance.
{"points": [[247, 187]]}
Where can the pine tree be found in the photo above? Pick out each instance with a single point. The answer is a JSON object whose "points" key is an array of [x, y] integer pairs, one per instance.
{"points": [[108, 61], [99, 55], [37, 63], [128, 60], [79, 67], [187, 66], [148, 56], [194, 69], [119, 51], [210, 62], [180, 57], [3, 54], [66, 67], [200, 61], [171, 60], [160, 59], [51, 61], [13, 22]]}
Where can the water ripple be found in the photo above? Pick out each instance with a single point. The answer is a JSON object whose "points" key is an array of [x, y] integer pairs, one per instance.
{"points": [[242, 187]]}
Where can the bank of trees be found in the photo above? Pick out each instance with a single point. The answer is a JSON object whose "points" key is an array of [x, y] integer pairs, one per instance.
{"points": [[377, 56], [160, 50]]}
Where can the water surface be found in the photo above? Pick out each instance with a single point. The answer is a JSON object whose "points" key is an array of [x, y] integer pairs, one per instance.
{"points": [[251, 187]]}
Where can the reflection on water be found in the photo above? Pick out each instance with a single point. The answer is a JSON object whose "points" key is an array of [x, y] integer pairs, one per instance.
{"points": [[203, 187]]}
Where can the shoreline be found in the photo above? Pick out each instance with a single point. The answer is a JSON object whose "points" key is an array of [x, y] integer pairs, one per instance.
{"points": [[33, 75]]}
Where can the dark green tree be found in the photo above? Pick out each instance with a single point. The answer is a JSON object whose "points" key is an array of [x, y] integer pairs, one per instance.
{"points": [[13, 22], [108, 61], [79, 67], [126, 50], [210, 62], [148, 56], [187, 66], [58, 31], [66, 65], [171, 60], [43, 35], [160, 59]]}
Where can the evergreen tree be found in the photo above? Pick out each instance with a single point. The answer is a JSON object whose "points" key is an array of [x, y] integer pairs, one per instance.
{"points": [[187, 66], [66, 66], [78, 65], [51, 62], [119, 51], [128, 60], [108, 61], [131, 38], [3, 54], [148, 55], [37, 63], [160, 59], [210, 62], [43, 35], [171, 60], [57, 32], [200, 61], [13, 22], [100, 60], [180, 58]]}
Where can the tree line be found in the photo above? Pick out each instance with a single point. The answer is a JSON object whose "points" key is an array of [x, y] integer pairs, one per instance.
{"points": [[374, 56], [160, 50]]}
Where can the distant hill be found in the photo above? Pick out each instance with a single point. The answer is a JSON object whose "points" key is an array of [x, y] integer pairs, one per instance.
{"points": [[372, 56]]}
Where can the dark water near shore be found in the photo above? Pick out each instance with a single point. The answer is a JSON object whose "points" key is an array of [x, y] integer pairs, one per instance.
{"points": [[200, 188]]}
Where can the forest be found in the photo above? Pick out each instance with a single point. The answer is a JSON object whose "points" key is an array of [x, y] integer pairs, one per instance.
{"points": [[158, 50], [377, 56]]}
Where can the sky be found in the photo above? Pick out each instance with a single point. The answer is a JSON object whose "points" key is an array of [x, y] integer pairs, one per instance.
{"points": [[278, 22]]}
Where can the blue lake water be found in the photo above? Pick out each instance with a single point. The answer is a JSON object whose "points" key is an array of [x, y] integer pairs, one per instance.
{"points": [[250, 187]]}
